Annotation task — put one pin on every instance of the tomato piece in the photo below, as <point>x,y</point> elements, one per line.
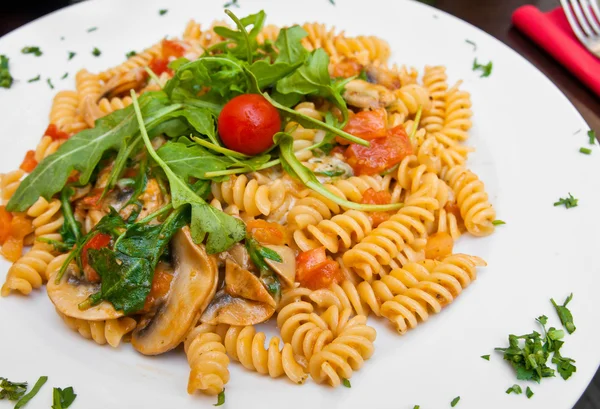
<point>337,149</point>
<point>316,271</point>
<point>381,155</point>
<point>439,246</point>
<point>92,200</point>
<point>247,124</point>
<point>160,65</point>
<point>29,163</point>
<point>161,283</point>
<point>371,196</point>
<point>20,226</point>
<point>366,125</point>
<point>172,48</point>
<point>53,132</point>
<point>346,69</point>
<point>266,232</point>
<point>12,249</point>
<point>5,222</point>
<point>97,242</point>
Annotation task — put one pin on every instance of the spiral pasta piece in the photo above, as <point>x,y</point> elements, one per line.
<point>248,195</point>
<point>435,80</point>
<point>64,112</point>
<point>457,121</point>
<point>141,59</point>
<point>245,345</point>
<point>109,332</point>
<point>29,271</point>
<point>383,244</point>
<point>88,85</point>
<point>208,361</point>
<point>475,208</point>
<point>345,354</point>
<point>9,183</point>
<point>47,218</point>
<point>194,34</point>
<point>409,99</point>
<point>425,290</point>
<point>107,106</point>
<point>349,227</point>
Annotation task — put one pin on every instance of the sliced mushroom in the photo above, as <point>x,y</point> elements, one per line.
<point>225,309</point>
<point>70,292</point>
<point>362,94</point>
<point>90,110</point>
<point>194,284</point>
<point>242,283</point>
<point>286,270</point>
<point>121,84</point>
<point>240,255</point>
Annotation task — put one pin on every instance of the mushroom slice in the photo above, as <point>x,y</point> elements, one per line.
<point>121,84</point>
<point>286,270</point>
<point>195,277</point>
<point>225,309</point>
<point>70,292</point>
<point>240,255</point>
<point>242,283</point>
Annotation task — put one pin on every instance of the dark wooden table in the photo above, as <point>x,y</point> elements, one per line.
<point>493,16</point>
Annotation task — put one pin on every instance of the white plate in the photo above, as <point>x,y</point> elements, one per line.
<point>527,154</point>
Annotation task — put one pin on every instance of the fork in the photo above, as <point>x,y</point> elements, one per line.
<point>584,18</point>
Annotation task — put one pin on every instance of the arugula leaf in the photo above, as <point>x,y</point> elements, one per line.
<point>84,150</point>
<point>140,182</point>
<point>486,70</point>
<point>200,119</point>
<point>245,42</point>
<point>289,45</point>
<point>63,398</point>
<point>268,74</point>
<point>221,397</point>
<point>71,228</point>
<point>32,50</point>
<point>566,318</point>
<point>36,388</point>
<point>6,79</point>
<point>258,254</point>
<point>223,230</point>
<point>568,202</point>
<point>12,390</point>
<point>126,281</point>
<point>188,159</point>
<point>516,389</point>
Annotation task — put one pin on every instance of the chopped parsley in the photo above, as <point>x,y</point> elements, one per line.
<point>49,81</point>
<point>486,69</point>
<point>592,135</point>
<point>96,52</point>
<point>65,75</point>
<point>486,357</point>
<point>498,222</point>
<point>586,151</point>
<point>34,79</point>
<point>162,12</point>
<point>332,2</point>
<point>89,30</point>
<point>569,202</point>
<point>565,315</point>
<point>346,383</point>
<point>63,398</point>
<point>472,43</point>
<point>331,173</point>
<point>71,55</point>
<point>36,388</point>
<point>12,390</point>
<point>528,392</point>
<point>220,398</point>
<point>516,389</point>
<point>455,401</point>
<point>6,79</point>
<point>130,54</point>
<point>231,3</point>
<point>62,38</point>
<point>32,50</point>
<point>417,407</point>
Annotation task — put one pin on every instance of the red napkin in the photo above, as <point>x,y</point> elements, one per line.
<point>552,32</point>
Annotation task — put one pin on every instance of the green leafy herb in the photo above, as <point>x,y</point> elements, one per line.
<point>71,229</point>
<point>332,2</point>
<point>63,398</point>
<point>486,357</point>
<point>231,4</point>
<point>498,222</point>
<point>258,254</point>
<point>455,401</point>
<point>49,81</point>
<point>84,150</point>
<point>34,79</point>
<point>331,173</point>
<point>568,202</point>
<point>36,388</point>
<point>592,135</point>
<point>65,75</point>
<point>6,79</point>
<point>130,54</point>
<point>472,43</point>
<point>516,389</point>
<point>565,315</point>
<point>221,396</point>
<point>586,151</point>
<point>417,407</point>
<point>222,230</point>
<point>32,50</point>
<point>89,30</point>
<point>564,365</point>
<point>529,392</point>
<point>486,69</point>
<point>12,390</point>
<point>58,245</point>
<point>346,383</point>
<point>96,52</point>
<point>162,12</point>
<point>72,54</point>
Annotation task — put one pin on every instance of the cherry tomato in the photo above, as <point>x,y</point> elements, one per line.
<point>29,163</point>
<point>366,125</point>
<point>97,242</point>
<point>316,271</point>
<point>53,132</point>
<point>370,196</point>
<point>247,124</point>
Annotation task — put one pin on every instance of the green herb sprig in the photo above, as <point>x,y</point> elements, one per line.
<point>6,80</point>
<point>32,50</point>
<point>486,70</point>
<point>568,202</point>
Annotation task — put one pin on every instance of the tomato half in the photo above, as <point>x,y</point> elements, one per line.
<point>316,271</point>
<point>247,124</point>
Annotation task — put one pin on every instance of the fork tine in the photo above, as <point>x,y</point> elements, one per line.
<point>572,21</point>
<point>589,13</point>
<point>581,18</point>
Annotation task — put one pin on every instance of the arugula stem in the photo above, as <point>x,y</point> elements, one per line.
<point>152,75</point>
<point>165,209</point>
<point>416,123</point>
<point>219,149</point>
<point>198,103</point>
<point>68,213</point>
<point>244,32</point>
<point>63,268</point>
